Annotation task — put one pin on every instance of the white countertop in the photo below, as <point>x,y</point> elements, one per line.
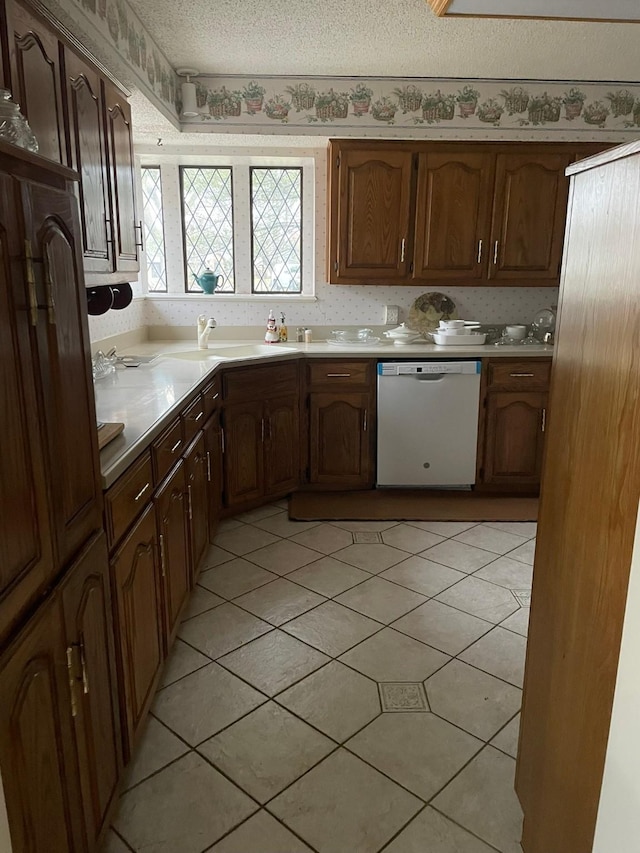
<point>148,397</point>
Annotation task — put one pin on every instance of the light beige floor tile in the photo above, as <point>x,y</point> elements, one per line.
<point>215,556</point>
<point>331,628</point>
<point>518,621</point>
<point>423,576</point>
<point>480,598</point>
<point>457,555</point>
<point>113,844</point>
<point>482,799</point>
<point>344,805</point>
<point>266,751</point>
<point>222,629</point>
<point>512,574</point>
<point>490,539</point>
<point>283,556</point>
<point>328,576</point>
<point>507,739</point>
<point>475,701</point>
<point>525,552</point>
<point>431,832</point>
<point>244,539</point>
<point>199,705</point>
<point>235,578</point>
<point>281,525</point>
<point>409,538</point>
<point>335,699</point>
<point>227,524</point>
<point>419,751</point>
<point>181,661</point>
<point>259,513</point>
<point>156,748</point>
<point>374,526</point>
<point>500,653</point>
<point>371,558</point>
<point>274,662</point>
<point>443,528</point>
<point>391,656</point>
<point>200,600</point>
<point>262,833</point>
<point>442,627</point>
<point>381,599</point>
<point>280,601</point>
<point>324,538</point>
<point>186,807</point>
<point>527,529</point>
<point>282,504</point>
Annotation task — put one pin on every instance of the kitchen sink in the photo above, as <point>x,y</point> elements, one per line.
<point>232,351</point>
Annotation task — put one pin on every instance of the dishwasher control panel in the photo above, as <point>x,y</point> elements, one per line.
<point>409,368</point>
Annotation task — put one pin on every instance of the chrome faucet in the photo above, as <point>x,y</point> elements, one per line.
<point>204,330</point>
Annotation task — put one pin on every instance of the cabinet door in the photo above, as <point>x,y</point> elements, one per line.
<point>213,452</point>
<point>530,208</point>
<point>37,81</point>
<point>453,212</point>
<point>63,344</point>
<point>135,580</point>
<point>341,452</point>
<point>26,557</point>
<point>514,437</point>
<point>89,158</point>
<point>125,227</point>
<point>282,445</point>
<point>243,453</point>
<point>195,461</point>
<point>173,537</point>
<point>86,602</point>
<point>371,229</point>
<point>37,754</point>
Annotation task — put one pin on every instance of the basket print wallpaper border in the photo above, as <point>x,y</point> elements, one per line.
<point>315,104</point>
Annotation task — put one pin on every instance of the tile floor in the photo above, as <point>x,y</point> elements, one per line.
<point>349,687</point>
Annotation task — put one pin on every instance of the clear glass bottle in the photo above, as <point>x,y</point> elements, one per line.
<point>14,127</point>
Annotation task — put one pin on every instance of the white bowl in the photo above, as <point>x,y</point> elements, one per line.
<point>472,339</point>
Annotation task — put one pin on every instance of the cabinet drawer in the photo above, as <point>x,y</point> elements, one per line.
<point>166,450</point>
<point>519,374</point>
<point>128,496</point>
<point>211,397</point>
<point>338,373</point>
<point>193,418</point>
<point>261,383</point>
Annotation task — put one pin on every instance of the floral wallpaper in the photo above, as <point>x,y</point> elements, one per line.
<point>328,105</point>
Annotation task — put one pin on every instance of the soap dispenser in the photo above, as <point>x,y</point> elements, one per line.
<point>271,335</point>
<point>283,335</point>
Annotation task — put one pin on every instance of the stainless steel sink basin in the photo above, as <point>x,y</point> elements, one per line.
<point>232,351</point>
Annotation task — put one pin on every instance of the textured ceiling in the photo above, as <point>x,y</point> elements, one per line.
<point>382,38</point>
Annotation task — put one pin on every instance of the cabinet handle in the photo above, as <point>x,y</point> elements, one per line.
<point>176,446</point>
<point>109,225</point>
<point>495,252</point>
<point>208,466</point>
<point>163,570</point>
<point>479,251</point>
<point>338,375</point>
<point>83,664</point>
<point>31,283</point>
<point>142,491</point>
<point>402,250</point>
<point>215,396</point>
<point>141,243</point>
<point>544,420</point>
<point>190,503</point>
<point>364,425</point>
<point>198,416</point>
<point>528,375</point>
<point>72,680</point>
<point>263,430</point>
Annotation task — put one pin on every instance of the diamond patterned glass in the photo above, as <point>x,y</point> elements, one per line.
<point>276,234</point>
<point>153,229</point>
<point>207,211</point>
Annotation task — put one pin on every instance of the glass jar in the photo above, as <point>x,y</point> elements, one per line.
<point>14,127</point>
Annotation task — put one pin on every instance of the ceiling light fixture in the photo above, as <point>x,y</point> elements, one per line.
<point>189,103</point>
<point>613,11</point>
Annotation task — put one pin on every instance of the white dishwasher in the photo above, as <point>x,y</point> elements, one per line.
<point>428,423</point>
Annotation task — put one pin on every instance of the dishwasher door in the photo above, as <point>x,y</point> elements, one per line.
<point>428,423</point>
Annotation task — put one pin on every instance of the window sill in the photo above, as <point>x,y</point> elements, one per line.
<point>234,297</point>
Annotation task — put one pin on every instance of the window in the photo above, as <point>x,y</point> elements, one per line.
<point>153,229</point>
<point>276,230</point>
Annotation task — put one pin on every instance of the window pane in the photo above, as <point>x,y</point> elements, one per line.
<point>207,210</point>
<point>153,229</point>
<point>276,218</point>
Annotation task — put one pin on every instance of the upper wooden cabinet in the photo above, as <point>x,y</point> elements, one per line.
<point>469,213</point>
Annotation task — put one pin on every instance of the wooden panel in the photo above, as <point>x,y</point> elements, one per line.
<point>123,203</point>
<point>195,461</point>
<point>590,493</point>
<point>39,769</point>
<point>452,215</point>
<point>340,373</point>
<point>193,418</point>
<point>282,445</point>
<point>529,217</point>
<point>213,451</point>
<point>173,537</point>
<point>89,157</point>
<point>86,602</point>
<point>341,455</point>
<point>128,496</point>
<point>135,582</point>
<point>509,373</point>
<point>212,396</point>
<point>514,437</point>
<point>260,383</point>
<point>243,452</point>
<point>166,450</point>
<point>63,343</point>
<point>26,556</point>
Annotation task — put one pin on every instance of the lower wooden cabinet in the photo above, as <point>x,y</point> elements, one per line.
<point>282,445</point>
<point>173,539</point>
<point>213,451</point>
<point>195,462</point>
<point>341,447</point>
<point>514,437</point>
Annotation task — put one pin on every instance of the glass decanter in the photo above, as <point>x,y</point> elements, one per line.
<point>14,127</point>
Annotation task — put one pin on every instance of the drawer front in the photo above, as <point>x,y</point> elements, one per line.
<point>211,396</point>
<point>338,373</point>
<point>519,374</point>
<point>166,450</point>
<point>128,496</point>
<point>193,418</point>
<point>261,383</point>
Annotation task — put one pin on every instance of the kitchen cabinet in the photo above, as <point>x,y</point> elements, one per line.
<point>282,445</point>
<point>243,427</point>
<point>195,462</point>
<point>213,451</point>
<point>173,540</point>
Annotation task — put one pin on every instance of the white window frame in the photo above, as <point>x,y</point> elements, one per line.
<point>172,211</point>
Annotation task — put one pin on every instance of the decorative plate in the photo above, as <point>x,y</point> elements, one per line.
<point>427,311</point>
